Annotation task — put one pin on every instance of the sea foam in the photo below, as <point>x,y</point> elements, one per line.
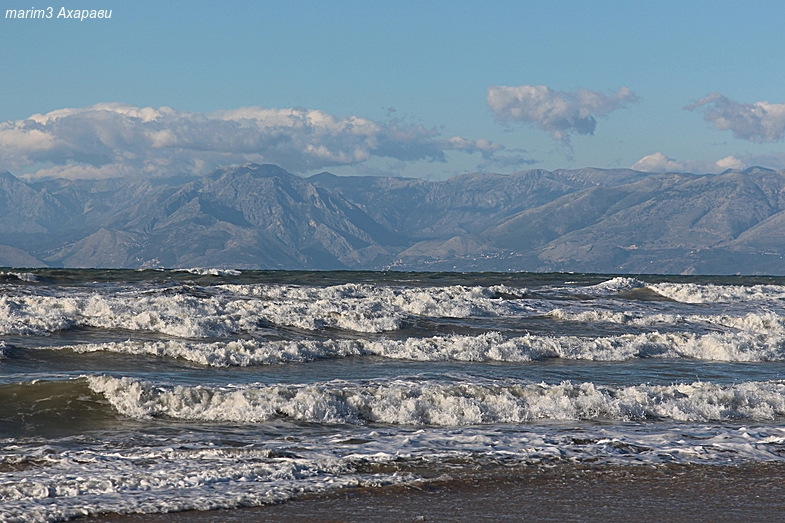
<point>712,293</point>
<point>194,312</point>
<point>406,402</point>
<point>488,346</point>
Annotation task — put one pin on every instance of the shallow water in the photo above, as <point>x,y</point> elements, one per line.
<point>156,391</point>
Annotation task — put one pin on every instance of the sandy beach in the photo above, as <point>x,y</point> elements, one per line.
<point>562,493</point>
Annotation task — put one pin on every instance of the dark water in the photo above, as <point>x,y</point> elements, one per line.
<point>155,391</point>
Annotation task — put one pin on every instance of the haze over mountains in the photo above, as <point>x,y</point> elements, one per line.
<point>260,216</point>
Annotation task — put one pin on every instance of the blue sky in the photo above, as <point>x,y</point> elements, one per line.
<point>412,88</point>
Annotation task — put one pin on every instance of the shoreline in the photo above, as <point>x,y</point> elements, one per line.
<point>750,492</point>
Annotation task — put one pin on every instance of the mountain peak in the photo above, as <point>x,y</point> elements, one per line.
<point>5,175</point>
<point>322,177</point>
<point>755,169</point>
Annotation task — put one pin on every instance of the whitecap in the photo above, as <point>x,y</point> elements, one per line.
<point>712,293</point>
<point>489,346</point>
<point>417,403</point>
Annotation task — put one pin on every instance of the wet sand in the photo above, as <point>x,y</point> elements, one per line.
<point>562,493</point>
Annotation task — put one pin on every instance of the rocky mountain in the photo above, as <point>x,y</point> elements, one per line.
<point>260,216</point>
<point>592,220</point>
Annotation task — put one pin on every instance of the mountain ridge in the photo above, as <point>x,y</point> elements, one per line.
<point>263,217</point>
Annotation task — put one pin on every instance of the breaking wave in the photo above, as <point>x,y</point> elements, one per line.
<point>490,346</point>
<point>230,309</point>
<point>407,402</point>
<point>712,293</point>
<point>693,293</point>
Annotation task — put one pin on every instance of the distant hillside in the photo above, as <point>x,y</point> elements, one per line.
<point>260,216</point>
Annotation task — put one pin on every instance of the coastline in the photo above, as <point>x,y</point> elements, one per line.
<point>749,492</point>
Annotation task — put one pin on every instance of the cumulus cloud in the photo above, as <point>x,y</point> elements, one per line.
<point>557,112</point>
<point>757,122</point>
<point>120,140</point>
<point>658,162</point>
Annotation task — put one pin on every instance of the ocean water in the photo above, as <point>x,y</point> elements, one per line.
<point>159,391</point>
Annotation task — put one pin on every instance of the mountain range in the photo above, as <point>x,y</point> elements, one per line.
<point>262,217</point>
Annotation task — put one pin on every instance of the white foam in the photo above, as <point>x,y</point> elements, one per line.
<point>489,346</point>
<point>711,293</point>
<point>613,286</point>
<point>210,271</point>
<point>160,479</point>
<point>36,314</point>
<point>228,310</point>
<point>231,309</point>
<point>239,352</point>
<point>402,402</point>
<point>358,306</point>
<point>690,292</point>
<point>22,276</point>
<point>757,322</point>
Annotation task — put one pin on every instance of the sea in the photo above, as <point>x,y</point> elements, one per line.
<point>153,391</point>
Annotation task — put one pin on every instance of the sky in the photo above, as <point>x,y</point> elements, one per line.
<point>428,89</point>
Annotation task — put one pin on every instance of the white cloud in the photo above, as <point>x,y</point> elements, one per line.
<point>757,122</point>
<point>121,140</point>
<point>730,162</point>
<point>658,162</point>
<point>557,112</point>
